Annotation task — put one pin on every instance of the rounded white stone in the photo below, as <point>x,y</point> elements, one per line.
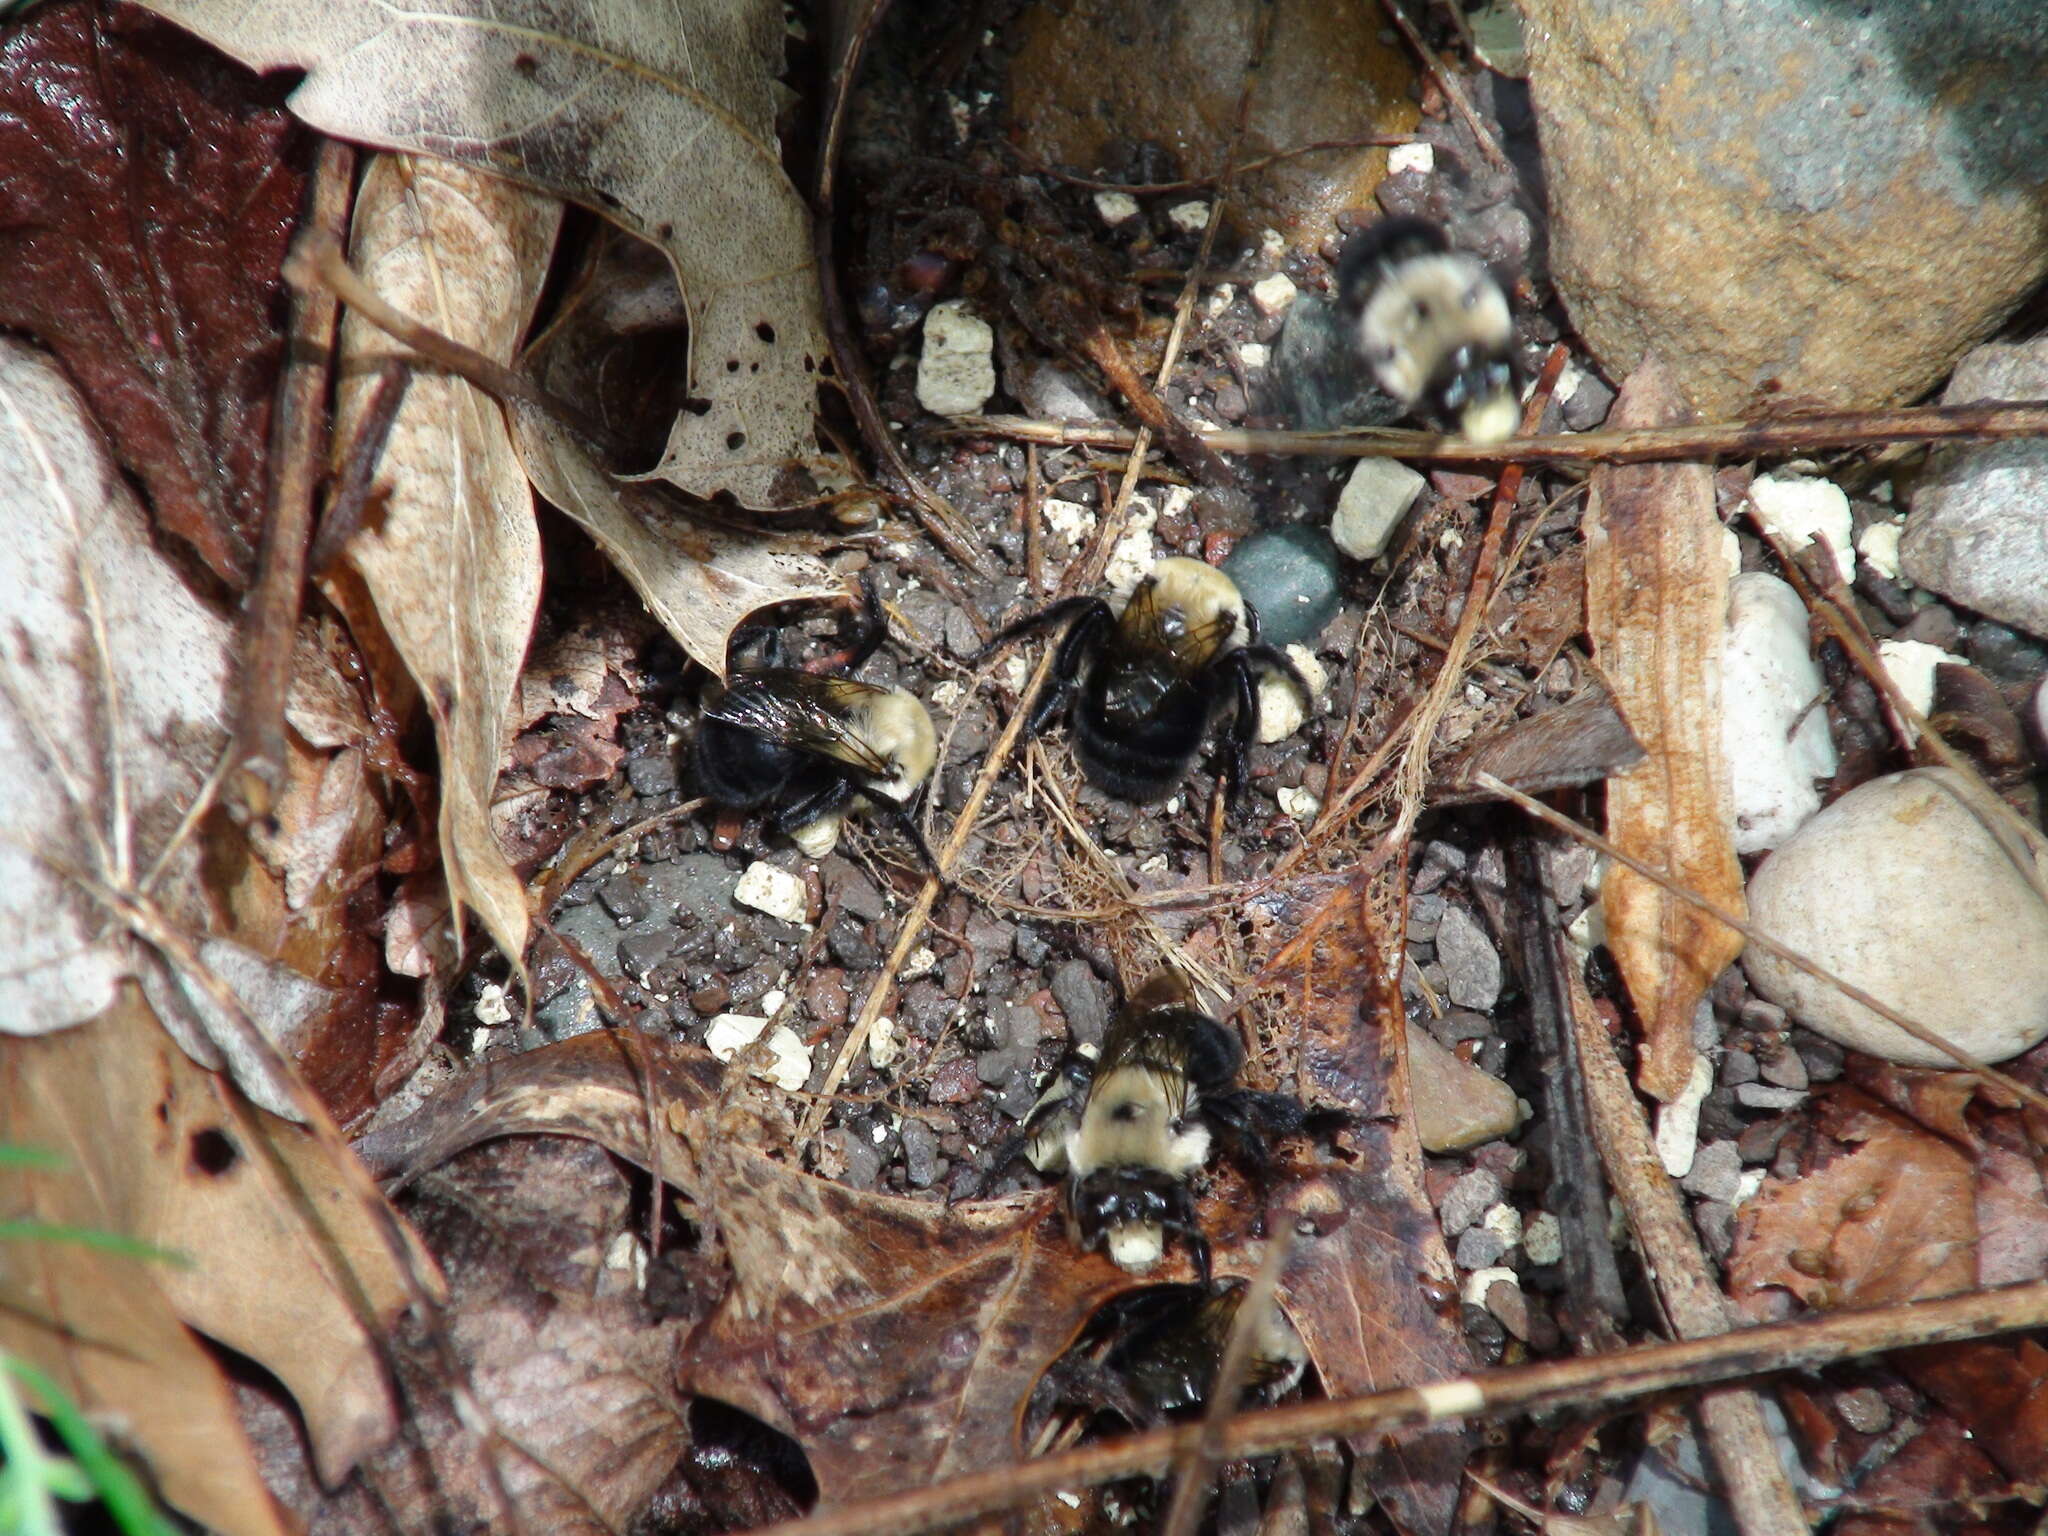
<point>956,371</point>
<point>1879,547</point>
<point>818,838</point>
<point>1769,683</point>
<point>1273,294</point>
<point>1280,709</point>
<point>1376,496</point>
<point>1898,888</point>
<point>1116,207</point>
<point>774,891</point>
<point>1911,664</point>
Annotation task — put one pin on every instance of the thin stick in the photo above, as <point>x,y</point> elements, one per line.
<point>1599,1381</point>
<point>1984,422</point>
<point>357,480</point>
<point>1732,1419</point>
<point>298,445</point>
<point>1453,89</point>
<point>1195,1464</point>
<point>1792,957</point>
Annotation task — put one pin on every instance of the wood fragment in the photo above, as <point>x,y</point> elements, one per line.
<point>1656,606</point>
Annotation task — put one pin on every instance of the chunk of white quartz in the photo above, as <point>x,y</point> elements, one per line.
<point>1774,732</point>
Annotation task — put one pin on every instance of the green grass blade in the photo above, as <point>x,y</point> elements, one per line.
<point>118,1488</point>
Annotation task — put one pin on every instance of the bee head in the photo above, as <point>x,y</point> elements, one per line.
<point>1477,390</point>
<point>1129,1211</point>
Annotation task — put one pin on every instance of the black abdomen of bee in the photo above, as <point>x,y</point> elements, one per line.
<point>740,768</point>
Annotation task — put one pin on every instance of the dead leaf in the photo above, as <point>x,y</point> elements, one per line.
<point>148,201</point>
<point>158,1150</point>
<point>661,122</point>
<point>701,582</point>
<point>1358,1288</point>
<point>1581,741</point>
<point>1937,1476</point>
<point>1892,1221</point>
<point>453,565</point>
<point>1656,606</point>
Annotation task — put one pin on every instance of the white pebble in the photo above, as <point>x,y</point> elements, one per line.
<point>1191,217</point>
<point>1678,1123</point>
<point>1796,508</point>
<point>956,372</point>
<point>1069,519</point>
<point>1134,556</point>
<point>1504,1222</point>
<point>1898,889</point>
<point>1543,1241</point>
<point>1116,207</point>
<point>1419,158</point>
<point>1769,681</point>
<point>883,1046</point>
<point>789,1063</point>
<point>774,891</point>
<point>1911,664</point>
<point>1280,711</point>
<point>1254,354</point>
<point>1376,496</point>
<point>492,1007</point>
<point>1220,300</point>
<point>1480,1281</point>
<point>1273,294</point>
<point>730,1033</point>
<point>1272,246</point>
<point>1301,804</point>
<point>1016,672</point>
<point>1879,547</point>
<point>1731,553</point>
<point>922,961</point>
<point>772,1001</point>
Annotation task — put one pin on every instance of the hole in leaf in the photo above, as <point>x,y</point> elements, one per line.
<point>765,331</point>
<point>213,1152</point>
<point>735,441</point>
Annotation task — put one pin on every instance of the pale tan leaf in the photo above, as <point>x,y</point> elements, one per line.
<point>700,582</point>
<point>453,565</point>
<point>158,1150</point>
<point>1656,603</point>
<point>662,121</point>
<point>93,614</point>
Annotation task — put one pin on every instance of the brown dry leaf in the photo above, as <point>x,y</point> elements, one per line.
<point>662,122</point>
<point>112,679</point>
<point>1358,1288</point>
<point>158,1150</point>
<point>1894,1220</point>
<point>1925,1488</point>
<point>1656,605</point>
<point>701,582</point>
<point>149,197</point>
<point>453,564</point>
<point>1581,741</point>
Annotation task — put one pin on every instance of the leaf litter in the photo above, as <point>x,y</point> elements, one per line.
<point>791,1283</point>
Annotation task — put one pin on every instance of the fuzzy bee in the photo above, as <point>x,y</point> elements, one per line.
<point>1147,681</point>
<point>1130,1129</point>
<point>1433,325</point>
<point>813,747</point>
<point>1174,1341</point>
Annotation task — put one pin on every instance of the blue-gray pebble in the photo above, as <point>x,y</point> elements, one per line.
<point>1289,575</point>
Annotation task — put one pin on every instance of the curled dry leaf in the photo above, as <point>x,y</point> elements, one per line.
<point>1370,1251</point>
<point>898,1341</point>
<point>278,1255</point>
<point>701,582</point>
<point>148,201</point>
<point>662,122</point>
<point>453,565</point>
<point>1656,605</point>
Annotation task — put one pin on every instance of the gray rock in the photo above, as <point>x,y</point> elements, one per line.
<point>1439,862</point>
<point>1471,967</point>
<point>1876,170</point>
<point>652,773</point>
<point>1467,1200</point>
<point>1289,575</point>
<point>646,947</point>
<point>1479,1247</point>
<point>1737,1068</point>
<point>1975,532</point>
<point>1716,1172</point>
<point>1375,498</point>
<point>1084,999</point>
<point>1763,1096</point>
<point>920,1153</point>
<point>626,896</point>
<point>1783,1068</point>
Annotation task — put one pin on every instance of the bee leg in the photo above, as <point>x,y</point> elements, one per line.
<point>1031,623</point>
<point>874,624</point>
<point>1244,726</point>
<point>1084,636</point>
<point>899,813</point>
<point>830,796</point>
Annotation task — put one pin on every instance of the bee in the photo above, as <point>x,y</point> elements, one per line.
<point>1434,326</point>
<point>1144,683</point>
<point>1174,1340</point>
<point>816,746</point>
<point>1130,1129</point>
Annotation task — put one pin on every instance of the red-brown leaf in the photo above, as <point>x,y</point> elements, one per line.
<point>147,203</point>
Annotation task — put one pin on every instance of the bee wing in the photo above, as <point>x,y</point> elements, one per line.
<point>1162,1034</point>
<point>802,710</point>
